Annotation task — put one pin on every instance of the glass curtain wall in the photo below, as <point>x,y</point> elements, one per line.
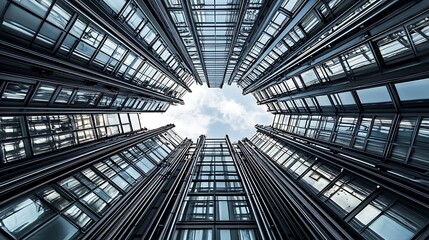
<point>374,211</point>
<point>216,205</point>
<point>68,207</point>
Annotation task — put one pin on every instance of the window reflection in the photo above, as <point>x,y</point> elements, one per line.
<point>395,47</point>
<point>413,90</point>
<point>20,217</point>
<point>193,234</point>
<point>15,91</point>
<point>44,93</point>
<point>347,193</point>
<point>374,95</point>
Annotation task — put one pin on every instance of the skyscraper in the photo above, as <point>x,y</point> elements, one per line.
<point>345,157</point>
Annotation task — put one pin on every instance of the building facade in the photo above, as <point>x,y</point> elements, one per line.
<point>346,156</point>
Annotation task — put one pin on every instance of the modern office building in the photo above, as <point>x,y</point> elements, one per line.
<point>346,156</point>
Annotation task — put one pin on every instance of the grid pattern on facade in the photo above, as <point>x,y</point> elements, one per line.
<point>216,205</point>
<point>56,28</point>
<point>70,206</point>
<point>24,137</point>
<point>368,208</point>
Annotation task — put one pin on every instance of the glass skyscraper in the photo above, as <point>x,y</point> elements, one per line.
<point>346,156</point>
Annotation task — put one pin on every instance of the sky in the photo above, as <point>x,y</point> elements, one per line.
<point>212,112</point>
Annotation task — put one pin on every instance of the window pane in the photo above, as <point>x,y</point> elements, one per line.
<point>374,95</point>
<point>414,90</point>
<point>320,176</point>
<point>54,198</point>
<point>347,193</point>
<point>77,216</point>
<point>57,229</point>
<point>15,91</point>
<point>64,95</point>
<point>193,234</point>
<point>395,46</point>
<point>115,5</point>
<point>20,217</point>
<point>44,93</point>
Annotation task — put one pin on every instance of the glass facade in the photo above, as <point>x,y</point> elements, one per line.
<point>371,209</point>
<point>344,158</point>
<point>216,199</point>
<point>27,136</point>
<point>69,206</point>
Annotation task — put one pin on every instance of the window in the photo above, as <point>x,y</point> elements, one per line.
<point>347,193</point>
<point>20,217</point>
<point>345,129</point>
<point>199,208</point>
<point>374,95</point>
<point>387,220</point>
<point>419,32</point>
<point>319,176</point>
<point>403,138</point>
<point>237,234</point>
<point>115,5</point>
<point>193,234</point>
<point>413,90</point>
<point>43,93</point>
<point>309,77</point>
<point>64,95</point>
<point>15,91</point>
<point>344,101</point>
<point>232,208</point>
<point>395,47</point>
<point>360,59</point>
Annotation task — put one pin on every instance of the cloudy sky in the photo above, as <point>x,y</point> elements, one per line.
<point>214,113</point>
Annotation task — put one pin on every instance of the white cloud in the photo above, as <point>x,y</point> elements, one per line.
<point>205,107</point>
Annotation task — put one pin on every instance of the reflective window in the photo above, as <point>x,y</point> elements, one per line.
<point>232,208</point>
<point>397,221</point>
<point>345,129</point>
<point>419,33</point>
<point>80,218</point>
<point>319,176</point>
<point>344,100</point>
<point>64,95</point>
<point>403,138</point>
<point>193,234</point>
<point>15,91</point>
<point>199,208</point>
<point>59,228</point>
<point>413,90</point>
<point>54,198</point>
<point>360,59</point>
<point>237,234</point>
<point>395,47</point>
<point>374,95</point>
<point>115,5</point>
<point>347,193</point>
<point>334,69</point>
<point>18,218</point>
<point>44,93</point>
<point>309,77</point>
